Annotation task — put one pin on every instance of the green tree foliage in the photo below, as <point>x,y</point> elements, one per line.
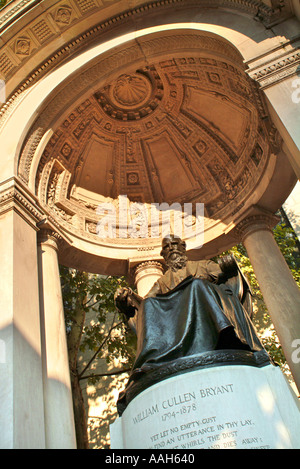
<point>95,327</point>
<point>104,329</point>
<point>3,3</point>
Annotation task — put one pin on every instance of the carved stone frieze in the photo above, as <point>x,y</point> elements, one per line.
<point>277,70</point>
<point>23,46</point>
<point>49,24</point>
<point>265,12</point>
<point>63,15</point>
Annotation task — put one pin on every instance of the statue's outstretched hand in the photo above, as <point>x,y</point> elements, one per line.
<point>121,295</point>
<point>125,301</point>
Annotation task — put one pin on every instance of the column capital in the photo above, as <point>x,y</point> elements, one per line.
<point>50,234</point>
<point>257,219</point>
<point>145,275</point>
<point>146,267</point>
<point>50,237</point>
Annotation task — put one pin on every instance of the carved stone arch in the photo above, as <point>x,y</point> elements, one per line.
<point>89,89</point>
<point>122,106</point>
<point>85,24</point>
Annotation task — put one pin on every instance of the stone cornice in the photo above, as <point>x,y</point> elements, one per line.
<point>15,196</point>
<point>260,9</point>
<point>12,13</point>
<point>276,70</point>
<point>49,228</point>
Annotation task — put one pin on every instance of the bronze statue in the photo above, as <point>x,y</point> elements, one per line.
<point>197,314</point>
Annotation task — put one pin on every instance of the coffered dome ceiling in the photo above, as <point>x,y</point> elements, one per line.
<point>183,128</point>
<point>180,130</point>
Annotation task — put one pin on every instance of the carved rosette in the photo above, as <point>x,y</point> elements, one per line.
<point>132,96</point>
<point>130,91</point>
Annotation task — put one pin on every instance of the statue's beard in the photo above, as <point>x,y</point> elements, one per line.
<point>177,262</point>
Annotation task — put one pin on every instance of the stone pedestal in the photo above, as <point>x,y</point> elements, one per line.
<point>225,407</point>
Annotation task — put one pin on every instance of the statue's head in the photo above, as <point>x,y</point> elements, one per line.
<point>174,252</point>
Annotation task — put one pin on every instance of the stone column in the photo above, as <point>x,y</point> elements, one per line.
<point>146,273</point>
<point>278,287</point>
<point>59,420</point>
<point>21,379</point>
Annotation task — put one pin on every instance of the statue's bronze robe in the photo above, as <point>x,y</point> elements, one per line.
<point>189,312</point>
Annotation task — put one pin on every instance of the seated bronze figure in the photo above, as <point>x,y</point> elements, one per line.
<point>198,314</point>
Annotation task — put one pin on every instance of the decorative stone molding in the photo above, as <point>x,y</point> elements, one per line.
<point>50,230</point>
<point>14,195</point>
<point>23,46</point>
<point>276,70</point>
<point>17,9</point>
<point>181,126</point>
<point>223,168</point>
<point>189,40</point>
<point>262,11</point>
<point>215,171</point>
<point>131,96</point>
